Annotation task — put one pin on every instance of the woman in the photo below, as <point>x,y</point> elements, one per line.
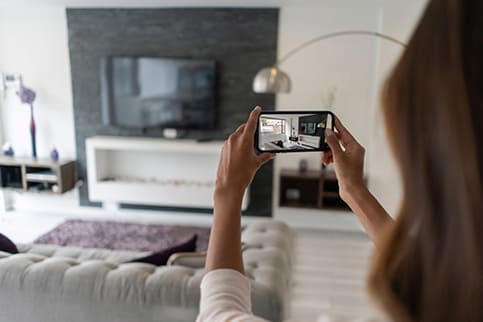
<point>428,266</point>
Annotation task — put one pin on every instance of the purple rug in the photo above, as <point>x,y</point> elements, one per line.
<point>122,236</point>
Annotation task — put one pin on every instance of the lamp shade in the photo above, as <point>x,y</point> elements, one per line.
<point>271,80</point>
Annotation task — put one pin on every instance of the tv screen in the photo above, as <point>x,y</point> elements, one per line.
<point>143,92</point>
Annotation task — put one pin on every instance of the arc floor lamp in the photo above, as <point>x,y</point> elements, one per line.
<point>274,80</point>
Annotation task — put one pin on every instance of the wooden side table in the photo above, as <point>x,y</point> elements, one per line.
<point>310,189</point>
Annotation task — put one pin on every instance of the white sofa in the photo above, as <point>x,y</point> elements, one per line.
<point>46,283</point>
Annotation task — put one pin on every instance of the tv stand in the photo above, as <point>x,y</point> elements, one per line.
<point>153,172</point>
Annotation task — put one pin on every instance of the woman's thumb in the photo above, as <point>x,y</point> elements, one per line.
<point>333,142</point>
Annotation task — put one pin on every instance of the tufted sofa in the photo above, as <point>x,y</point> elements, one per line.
<point>46,283</point>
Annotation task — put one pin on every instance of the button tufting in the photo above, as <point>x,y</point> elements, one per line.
<point>267,255</point>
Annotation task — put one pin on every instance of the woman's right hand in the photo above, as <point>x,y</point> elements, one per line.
<point>348,158</point>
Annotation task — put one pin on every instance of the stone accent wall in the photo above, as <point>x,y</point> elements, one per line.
<point>240,40</point>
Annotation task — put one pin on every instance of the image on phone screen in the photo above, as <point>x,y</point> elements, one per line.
<point>293,131</point>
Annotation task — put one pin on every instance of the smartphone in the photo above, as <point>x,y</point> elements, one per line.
<point>293,131</point>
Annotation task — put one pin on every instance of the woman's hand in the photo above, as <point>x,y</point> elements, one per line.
<point>348,158</point>
<point>238,161</point>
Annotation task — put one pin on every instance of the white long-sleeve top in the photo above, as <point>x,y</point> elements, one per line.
<point>225,297</point>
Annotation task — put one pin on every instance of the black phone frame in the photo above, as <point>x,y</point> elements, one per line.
<point>324,149</point>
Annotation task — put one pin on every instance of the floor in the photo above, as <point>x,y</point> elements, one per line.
<point>328,275</point>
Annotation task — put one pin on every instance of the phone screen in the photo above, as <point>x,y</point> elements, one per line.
<point>289,131</point>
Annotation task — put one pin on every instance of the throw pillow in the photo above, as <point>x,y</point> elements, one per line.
<point>6,245</point>
<point>161,258</point>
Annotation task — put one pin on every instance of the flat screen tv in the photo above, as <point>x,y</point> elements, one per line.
<point>145,92</point>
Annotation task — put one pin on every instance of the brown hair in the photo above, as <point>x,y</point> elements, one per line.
<point>430,265</point>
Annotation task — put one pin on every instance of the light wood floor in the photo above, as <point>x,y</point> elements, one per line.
<point>329,276</point>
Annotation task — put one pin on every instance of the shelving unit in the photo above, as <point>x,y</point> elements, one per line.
<point>310,189</point>
<point>37,175</point>
<point>152,171</point>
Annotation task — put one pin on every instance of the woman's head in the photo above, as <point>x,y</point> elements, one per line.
<point>431,265</point>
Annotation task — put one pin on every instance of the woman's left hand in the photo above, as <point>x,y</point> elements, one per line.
<point>239,161</point>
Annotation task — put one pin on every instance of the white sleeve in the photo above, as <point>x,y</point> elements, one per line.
<point>225,297</point>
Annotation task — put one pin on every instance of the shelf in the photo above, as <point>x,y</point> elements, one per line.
<point>310,189</point>
<point>31,162</point>
<point>298,205</point>
<point>37,175</point>
<point>309,174</point>
<point>152,171</point>
<point>41,177</point>
<point>330,194</point>
<point>153,144</point>
<point>334,203</point>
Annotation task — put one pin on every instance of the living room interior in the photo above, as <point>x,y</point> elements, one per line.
<point>292,132</point>
<point>113,114</point>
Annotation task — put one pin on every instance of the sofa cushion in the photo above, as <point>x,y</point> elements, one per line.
<point>161,258</point>
<point>7,246</point>
<point>80,254</point>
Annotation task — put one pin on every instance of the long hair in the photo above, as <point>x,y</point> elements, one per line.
<point>430,265</point>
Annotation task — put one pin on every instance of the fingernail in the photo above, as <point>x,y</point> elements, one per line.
<point>257,108</point>
<point>329,132</point>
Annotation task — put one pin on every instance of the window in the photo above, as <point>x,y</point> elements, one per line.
<point>273,126</point>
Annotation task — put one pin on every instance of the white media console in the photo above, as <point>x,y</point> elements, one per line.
<point>154,172</point>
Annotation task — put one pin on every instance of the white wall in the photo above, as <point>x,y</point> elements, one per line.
<point>399,19</point>
<point>33,42</point>
<point>357,67</point>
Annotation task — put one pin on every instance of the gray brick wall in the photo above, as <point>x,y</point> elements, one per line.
<point>240,40</point>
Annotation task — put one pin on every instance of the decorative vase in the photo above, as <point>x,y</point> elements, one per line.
<point>8,150</point>
<point>54,155</point>
<point>27,96</point>
<point>32,132</point>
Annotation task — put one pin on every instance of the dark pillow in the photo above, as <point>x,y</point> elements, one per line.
<point>6,245</point>
<point>161,258</point>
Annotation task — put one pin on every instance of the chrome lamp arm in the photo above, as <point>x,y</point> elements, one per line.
<point>274,80</point>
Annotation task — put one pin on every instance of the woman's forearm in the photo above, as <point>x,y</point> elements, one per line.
<point>370,212</point>
<point>228,298</point>
<point>347,154</point>
<point>225,241</point>
<point>237,167</point>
